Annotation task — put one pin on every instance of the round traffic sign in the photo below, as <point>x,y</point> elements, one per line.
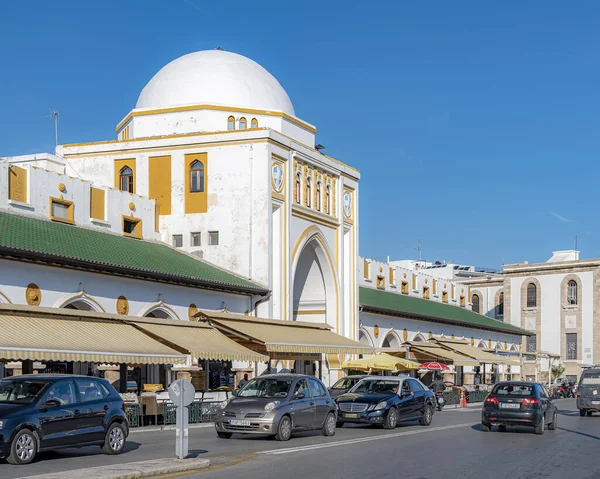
<point>181,392</point>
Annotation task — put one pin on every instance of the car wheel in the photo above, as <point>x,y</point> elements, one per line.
<point>23,448</point>
<point>224,435</point>
<point>552,425</point>
<point>329,425</point>
<point>114,441</point>
<point>589,413</point>
<point>582,412</point>
<point>485,428</point>
<point>339,424</point>
<point>392,419</point>
<point>284,430</point>
<point>427,416</point>
<point>539,429</point>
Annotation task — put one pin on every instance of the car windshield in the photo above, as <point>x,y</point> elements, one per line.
<point>376,386</point>
<point>20,391</point>
<point>519,390</point>
<point>590,378</point>
<point>266,388</point>
<point>344,383</point>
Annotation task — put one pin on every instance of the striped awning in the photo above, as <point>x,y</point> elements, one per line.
<point>42,337</point>
<point>199,340</point>
<point>275,335</point>
<point>478,354</point>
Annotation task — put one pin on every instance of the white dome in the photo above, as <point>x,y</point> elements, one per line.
<point>215,77</point>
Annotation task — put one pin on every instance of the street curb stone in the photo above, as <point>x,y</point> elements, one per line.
<point>131,470</point>
<point>135,430</point>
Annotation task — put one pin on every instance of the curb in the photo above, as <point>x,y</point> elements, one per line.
<point>131,470</point>
<point>168,428</point>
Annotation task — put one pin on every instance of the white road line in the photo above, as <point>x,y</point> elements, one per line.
<point>363,439</point>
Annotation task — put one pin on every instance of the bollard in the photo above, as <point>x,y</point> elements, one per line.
<point>463,399</point>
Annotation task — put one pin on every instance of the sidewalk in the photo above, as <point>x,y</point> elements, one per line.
<point>131,470</point>
<point>169,427</point>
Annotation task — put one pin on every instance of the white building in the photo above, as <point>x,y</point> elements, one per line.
<point>557,301</point>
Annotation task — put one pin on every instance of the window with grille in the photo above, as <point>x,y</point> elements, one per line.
<point>571,345</point>
<point>177,241</point>
<point>500,307</point>
<point>475,302</point>
<point>531,295</point>
<point>126,179</point>
<point>531,344</point>
<point>213,238</point>
<point>196,239</point>
<point>197,177</point>
<point>572,292</point>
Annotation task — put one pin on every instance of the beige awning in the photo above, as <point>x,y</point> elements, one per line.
<point>41,336</point>
<point>437,352</point>
<point>199,340</point>
<point>274,335</point>
<point>475,353</point>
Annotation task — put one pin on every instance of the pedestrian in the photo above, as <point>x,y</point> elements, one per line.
<point>243,381</point>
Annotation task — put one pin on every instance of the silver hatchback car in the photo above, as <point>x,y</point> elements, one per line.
<point>278,404</point>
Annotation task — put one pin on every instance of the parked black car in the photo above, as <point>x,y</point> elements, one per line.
<point>386,401</point>
<point>588,399</point>
<point>519,404</point>
<point>46,412</point>
<point>344,385</point>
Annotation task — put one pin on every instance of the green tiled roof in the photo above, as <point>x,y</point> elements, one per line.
<point>46,241</point>
<point>383,302</point>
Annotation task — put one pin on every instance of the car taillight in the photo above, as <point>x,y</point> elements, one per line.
<point>491,400</point>
<point>578,395</point>
<point>530,401</point>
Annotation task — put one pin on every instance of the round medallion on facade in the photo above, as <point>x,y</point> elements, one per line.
<point>347,205</point>
<point>404,275</point>
<point>61,187</point>
<point>192,310</point>
<point>122,305</point>
<point>505,345</point>
<point>472,341</point>
<point>489,344</point>
<point>33,295</point>
<point>376,331</point>
<point>452,337</point>
<point>277,176</point>
<point>132,206</point>
<point>430,335</point>
<point>405,334</point>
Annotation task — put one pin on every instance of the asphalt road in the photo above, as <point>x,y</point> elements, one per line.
<point>453,446</point>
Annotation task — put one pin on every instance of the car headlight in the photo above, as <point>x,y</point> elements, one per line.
<point>272,405</point>
<point>380,406</point>
<point>1,424</point>
<point>224,404</point>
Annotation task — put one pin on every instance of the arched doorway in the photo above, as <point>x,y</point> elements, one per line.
<point>79,305</point>
<point>391,341</point>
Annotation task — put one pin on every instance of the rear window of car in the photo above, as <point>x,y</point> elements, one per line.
<point>590,378</point>
<point>345,383</point>
<point>513,390</point>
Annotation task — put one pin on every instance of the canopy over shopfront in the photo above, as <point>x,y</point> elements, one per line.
<point>482,356</point>
<point>381,362</point>
<point>282,339</point>
<point>428,351</point>
<point>49,334</point>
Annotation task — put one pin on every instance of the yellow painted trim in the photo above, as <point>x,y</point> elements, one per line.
<point>278,196</point>
<point>195,202</point>
<point>97,203</point>
<point>242,119</point>
<point>310,311</point>
<point>310,215</point>
<point>307,235</point>
<point>138,226</point>
<point>17,184</point>
<point>254,123</point>
<point>159,183</point>
<point>70,210</point>
<point>119,165</point>
<point>251,111</point>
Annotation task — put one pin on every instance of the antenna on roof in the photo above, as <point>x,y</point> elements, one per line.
<point>419,249</point>
<point>54,114</point>
<point>575,238</point>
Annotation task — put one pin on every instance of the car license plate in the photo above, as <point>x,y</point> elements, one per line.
<point>351,416</point>
<point>239,422</point>
<point>505,405</point>
<point>595,402</point>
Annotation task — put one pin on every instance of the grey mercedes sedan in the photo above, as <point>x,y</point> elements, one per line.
<point>277,405</point>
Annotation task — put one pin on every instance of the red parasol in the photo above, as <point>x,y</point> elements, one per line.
<point>434,366</point>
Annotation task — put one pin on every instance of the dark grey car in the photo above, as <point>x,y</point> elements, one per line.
<point>278,404</point>
<point>588,393</point>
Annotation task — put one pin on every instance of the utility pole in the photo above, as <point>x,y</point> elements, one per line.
<point>54,115</point>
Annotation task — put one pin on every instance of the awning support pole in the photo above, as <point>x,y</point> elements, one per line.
<point>206,375</point>
<point>123,378</point>
<point>321,369</point>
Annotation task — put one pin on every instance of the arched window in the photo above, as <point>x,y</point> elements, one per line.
<point>197,177</point>
<point>231,123</point>
<point>308,191</point>
<point>531,295</point>
<point>500,307</point>
<point>475,301</point>
<point>298,187</point>
<point>126,179</point>
<point>254,123</point>
<point>572,292</point>
<point>318,196</point>
<point>328,199</point>
<point>243,124</point>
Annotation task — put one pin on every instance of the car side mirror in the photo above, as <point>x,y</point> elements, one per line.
<point>51,403</point>
<point>234,392</point>
<point>299,396</point>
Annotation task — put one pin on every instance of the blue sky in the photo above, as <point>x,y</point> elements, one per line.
<point>474,124</point>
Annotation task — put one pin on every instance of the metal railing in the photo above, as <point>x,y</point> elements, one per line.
<point>451,397</point>
<point>476,396</point>
<point>132,411</point>
<point>198,411</point>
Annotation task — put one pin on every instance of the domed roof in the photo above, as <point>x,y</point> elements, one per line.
<point>215,77</point>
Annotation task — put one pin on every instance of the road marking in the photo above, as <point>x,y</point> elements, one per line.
<point>362,439</point>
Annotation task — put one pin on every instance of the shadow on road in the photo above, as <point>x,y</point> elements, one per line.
<point>84,451</point>
<point>579,433</point>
